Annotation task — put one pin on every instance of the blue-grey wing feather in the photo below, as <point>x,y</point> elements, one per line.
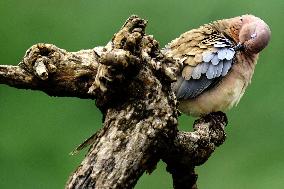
<point>226,67</point>
<point>207,74</point>
<point>193,87</point>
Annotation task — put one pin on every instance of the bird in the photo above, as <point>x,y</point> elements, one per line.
<point>218,61</point>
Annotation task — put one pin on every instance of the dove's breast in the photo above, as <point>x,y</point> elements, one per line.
<point>223,96</point>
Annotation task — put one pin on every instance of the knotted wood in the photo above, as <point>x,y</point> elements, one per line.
<point>130,79</point>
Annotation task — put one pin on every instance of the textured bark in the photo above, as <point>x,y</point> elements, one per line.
<point>131,81</point>
<point>190,149</point>
<point>62,73</point>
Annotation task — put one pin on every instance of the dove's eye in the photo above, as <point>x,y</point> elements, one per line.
<point>253,35</point>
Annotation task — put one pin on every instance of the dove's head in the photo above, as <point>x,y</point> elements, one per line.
<point>254,33</point>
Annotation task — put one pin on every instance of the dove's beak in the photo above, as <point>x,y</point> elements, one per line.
<point>239,47</point>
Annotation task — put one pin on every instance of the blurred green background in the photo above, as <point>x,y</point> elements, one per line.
<point>37,132</point>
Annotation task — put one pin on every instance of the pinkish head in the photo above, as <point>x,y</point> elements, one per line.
<point>254,34</point>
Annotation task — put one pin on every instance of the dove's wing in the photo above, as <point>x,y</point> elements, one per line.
<point>207,56</point>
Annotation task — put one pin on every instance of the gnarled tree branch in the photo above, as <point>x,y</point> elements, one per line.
<point>131,80</point>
